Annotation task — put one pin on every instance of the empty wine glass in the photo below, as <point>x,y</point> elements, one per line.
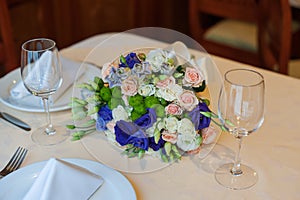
<point>241,111</point>
<point>41,73</point>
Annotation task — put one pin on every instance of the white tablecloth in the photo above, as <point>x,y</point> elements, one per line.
<point>273,150</point>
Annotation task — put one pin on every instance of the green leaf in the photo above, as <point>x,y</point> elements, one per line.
<point>201,88</point>
<point>89,122</point>
<point>78,135</point>
<point>85,86</point>
<point>156,135</point>
<point>98,81</point>
<point>214,115</point>
<point>176,152</point>
<point>164,157</point>
<point>159,110</point>
<point>93,110</point>
<point>178,75</point>
<point>223,128</point>
<point>79,101</point>
<point>206,101</point>
<point>94,85</point>
<point>141,153</point>
<point>70,126</point>
<point>105,94</point>
<point>79,115</point>
<point>168,147</point>
<point>227,121</point>
<point>172,157</point>
<point>180,69</point>
<point>171,61</point>
<point>123,60</point>
<point>206,114</point>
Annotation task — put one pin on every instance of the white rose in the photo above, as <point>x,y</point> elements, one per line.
<point>171,124</point>
<point>166,94</point>
<point>186,127</point>
<point>156,58</point>
<point>177,89</point>
<point>188,142</point>
<point>146,90</point>
<point>119,113</point>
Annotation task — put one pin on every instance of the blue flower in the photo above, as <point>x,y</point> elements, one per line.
<point>104,116</point>
<point>155,146</point>
<point>131,60</point>
<point>113,79</point>
<point>129,133</point>
<point>200,121</point>
<point>141,70</point>
<point>147,120</point>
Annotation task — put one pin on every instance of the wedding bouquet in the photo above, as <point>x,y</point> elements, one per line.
<point>147,103</point>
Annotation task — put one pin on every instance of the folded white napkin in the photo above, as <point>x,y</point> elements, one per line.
<point>69,68</point>
<point>63,180</point>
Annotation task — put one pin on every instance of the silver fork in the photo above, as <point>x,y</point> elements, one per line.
<point>15,162</point>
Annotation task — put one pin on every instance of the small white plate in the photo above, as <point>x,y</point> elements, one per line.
<point>12,78</point>
<point>15,185</point>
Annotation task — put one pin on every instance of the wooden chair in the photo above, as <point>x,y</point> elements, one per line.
<point>8,56</point>
<point>248,46</point>
<point>274,34</point>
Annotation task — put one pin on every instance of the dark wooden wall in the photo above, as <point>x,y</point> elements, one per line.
<point>69,21</point>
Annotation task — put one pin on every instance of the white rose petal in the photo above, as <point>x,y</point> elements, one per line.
<point>186,127</point>
<point>156,58</point>
<point>146,90</point>
<point>166,94</point>
<point>188,142</point>
<point>119,113</point>
<point>171,124</point>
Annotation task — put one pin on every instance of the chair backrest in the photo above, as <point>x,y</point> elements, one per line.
<point>262,13</point>
<point>202,11</point>
<point>274,34</point>
<point>8,56</point>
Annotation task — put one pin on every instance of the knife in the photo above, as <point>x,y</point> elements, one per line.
<point>15,121</point>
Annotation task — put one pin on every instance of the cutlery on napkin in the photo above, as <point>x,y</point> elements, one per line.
<point>63,180</point>
<point>69,68</point>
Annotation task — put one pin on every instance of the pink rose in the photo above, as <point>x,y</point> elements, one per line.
<point>194,151</point>
<point>209,135</point>
<point>129,86</point>
<point>169,137</point>
<point>166,82</point>
<point>192,77</point>
<point>188,100</point>
<point>173,109</point>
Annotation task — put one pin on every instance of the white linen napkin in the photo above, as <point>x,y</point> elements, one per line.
<point>69,68</point>
<point>63,180</point>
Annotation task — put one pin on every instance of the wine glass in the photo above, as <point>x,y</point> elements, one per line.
<point>241,111</point>
<point>41,73</point>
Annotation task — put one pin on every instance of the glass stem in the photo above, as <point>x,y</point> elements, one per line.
<point>236,169</point>
<point>49,128</point>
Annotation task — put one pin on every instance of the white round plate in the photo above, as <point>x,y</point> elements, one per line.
<point>15,185</point>
<point>12,78</point>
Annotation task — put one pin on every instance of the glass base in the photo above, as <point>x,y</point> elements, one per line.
<point>245,180</point>
<point>40,136</point>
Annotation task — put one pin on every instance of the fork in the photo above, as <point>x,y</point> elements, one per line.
<point>15,162</point>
